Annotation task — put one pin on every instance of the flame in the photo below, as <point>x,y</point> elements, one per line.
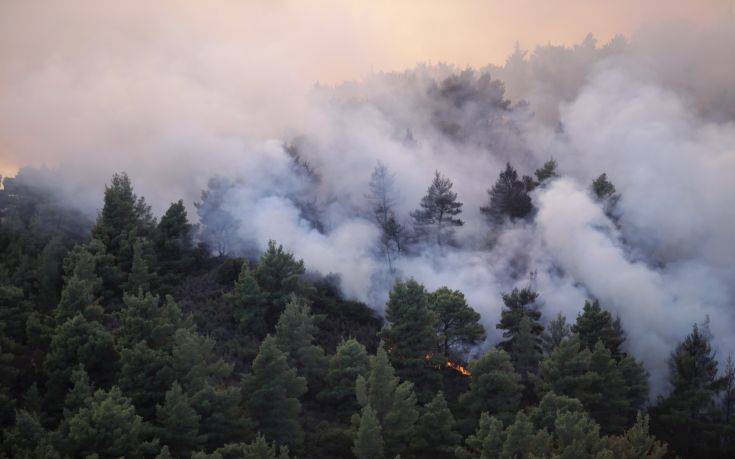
<point>459,368</point>
<point>456,366</point>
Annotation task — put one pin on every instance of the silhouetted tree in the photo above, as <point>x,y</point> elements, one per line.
<point>436,219</point>
<point>508,198</point>
<point>381,198</point>
<point>458,325</point>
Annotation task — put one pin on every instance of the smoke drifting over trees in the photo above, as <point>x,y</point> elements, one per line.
<point>654,112</point>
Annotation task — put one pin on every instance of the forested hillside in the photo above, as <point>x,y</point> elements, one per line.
<point>384,229</point>
<point>128,337</point>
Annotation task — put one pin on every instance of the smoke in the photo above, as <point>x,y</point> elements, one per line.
<point>292,161</point>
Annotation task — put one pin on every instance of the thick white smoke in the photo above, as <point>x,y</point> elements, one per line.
<point>655,114</point>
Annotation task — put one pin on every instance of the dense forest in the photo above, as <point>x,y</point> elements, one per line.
<point>367,229</point>
<point>130,336</point>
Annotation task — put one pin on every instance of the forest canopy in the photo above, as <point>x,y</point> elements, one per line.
<point>131,337</point>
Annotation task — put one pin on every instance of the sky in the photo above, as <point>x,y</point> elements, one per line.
<point>279,49</point>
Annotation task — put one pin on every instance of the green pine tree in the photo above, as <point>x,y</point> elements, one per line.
<point>145,376</point>
<point>368,440</point>
<point>174,244</point>
<point>495,387</point>
<point>487,441</point>
<point>518,304</point>
<point>295,333</point>
<point>435,432</point>
<point>178,422</point>
<point>411,335</point>
<point>270,395</point>
<point>78,341</point>
<point>525,353</point>
<point>248,304</point>
<point>108,426</point>
<point>394,402</point>
<point>509,198</point>
<point>278,273</point>
<point>686,418</point>
<point>458,325</point>
<point>436,219</point>
<point>556,331</point>
<point>142,275</point>
<point>596,324</point>
<point>349,362</point>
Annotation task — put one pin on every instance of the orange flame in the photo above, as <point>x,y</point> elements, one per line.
<point>459,368</point>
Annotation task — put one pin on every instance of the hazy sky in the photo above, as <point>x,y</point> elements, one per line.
<point>278,48</point>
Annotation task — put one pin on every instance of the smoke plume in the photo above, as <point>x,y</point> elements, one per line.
<point>283,159</point>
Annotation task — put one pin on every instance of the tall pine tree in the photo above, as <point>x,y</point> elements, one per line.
<point>411,335</point>
<point>508,198</point>
<point>271,395</point>
<point>435,220</point>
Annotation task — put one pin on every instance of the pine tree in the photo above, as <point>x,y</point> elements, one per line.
<point>49,270</point>
<point>349,362</point>
<point>295,333</point>
<point>565,371</point>
<point>611,408</point>
<point>8,375</point>
<point>173,243</point>
<point>522,439</point>
<point>487,441</point>
<point>218,225</point>
<point>78,341</point>
<point>604,192</point>
<point>546,172</point>
<point>28,438</point>
<point>576,435</point>
<point>394,403</point>
<point>495,387</point>
<point>436,219</point>
<point>124,218</point>
<point>399,422</point>
<point>411,336</point>
<point>559,428</point>
<point>596,324</point>
<point>80,393</point>
<point>179,422</point>
<point>508,198</point>
<point>222,421</point>
<point>377,390</point>
<point>545,413</point>
<point>435,430</point>
<point>248,304</point>
<point>270,395</point>
<point>143,319</point>
<point>108,426</point>
<point>141,276</point>
<point>278,274</point>
<point>257,449</point>
<point>368,441</point>
<point>556,331</point>
<point>196,362</point>
<point>381,199</point>
<point>145,376</point>
<point>637,442</point>
<point>611,391</point>
<point>686,417</point>
<point>81,287</point>
<point>525,353</point>
<point>458,324</point>
<point>518,304</point>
